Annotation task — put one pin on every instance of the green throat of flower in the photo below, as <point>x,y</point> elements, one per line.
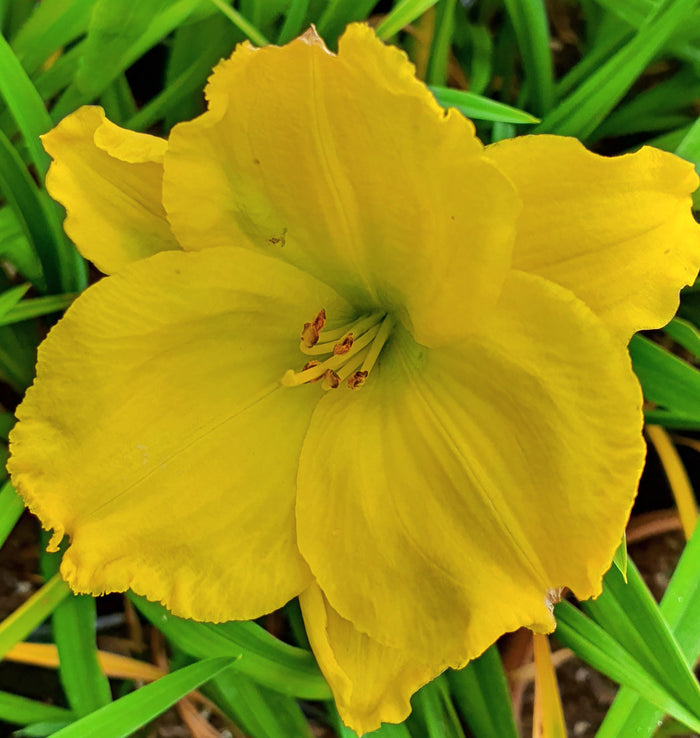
<point>346,354</point>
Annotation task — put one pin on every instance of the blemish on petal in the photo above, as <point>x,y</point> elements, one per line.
<point>552,597</point>
<point>311,37</point>
<point>280,240</point>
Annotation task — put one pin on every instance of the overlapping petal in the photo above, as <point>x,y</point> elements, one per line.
<point>617,231</point>
<point>438,506</point>
<point>346,166</point>
<point>158,437</point>
<point>371,683</point>
<point>109,179</point>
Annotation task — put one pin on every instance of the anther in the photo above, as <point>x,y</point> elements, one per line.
<point>311,331</point>
<point>330,380</point>
<point>342,347</point>
<point>311,365</point>
<point>351,351</point>
<point>356,380</point>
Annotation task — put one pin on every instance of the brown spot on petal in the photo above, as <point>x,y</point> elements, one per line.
<point>280,240</point>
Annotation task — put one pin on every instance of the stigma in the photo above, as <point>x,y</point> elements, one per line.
<point>346,355</point>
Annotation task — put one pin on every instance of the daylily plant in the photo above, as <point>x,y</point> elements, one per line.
<point>347,353</point>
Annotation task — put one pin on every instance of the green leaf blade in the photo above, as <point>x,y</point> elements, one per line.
<point>124,716</point>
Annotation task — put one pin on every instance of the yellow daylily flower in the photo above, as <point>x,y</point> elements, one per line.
<point>456,435</point>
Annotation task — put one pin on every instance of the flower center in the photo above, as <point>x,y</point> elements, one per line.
<point>347,354</point>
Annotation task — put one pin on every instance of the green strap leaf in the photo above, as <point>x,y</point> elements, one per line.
<point>266,660</point>
<point>293,21</point>
<point>630,715</point>
<point>25,104</point>
<point>23,711</point>
<point>629,614</point>
<point>238,20</point>
<point>53,24</point>
<point>689,148</point>
<point>38,217</point>
<point>11,507</point>
<point>338,13</point>
<point>16,248</point>
<point>10,297</point>
<point>402,14</point>
<point>620,558</point>
<point>433,709</point>
<point>581,113</point>
<point>599,649</point>
<point>35,610</point>
<point>529,19</point>
<point>36,307</point>
<point>126,715</point>
<point>259,712</point>
<point>480,107</point>
<point>112,46</point>
<point>481,692</point>
<point>666,379</point>
<point>84,682</point>
<point>73,625</point>
<point>684,333</point>
<point>438,61</point>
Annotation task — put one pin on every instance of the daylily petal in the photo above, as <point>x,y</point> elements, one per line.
<point>346,167</point>
<point>371,683</point>
<point>158,437</point>
<point>109,180</point>
<point>440,503</point>
<point>618,231</point>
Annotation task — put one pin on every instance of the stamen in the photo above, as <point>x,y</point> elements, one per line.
<point>311,365</point>
<point>378,344</point>
<point>357,379</point>
<point>342,347</point>
<point>326,340</point>
<point>352,365</point>
<point>311,331</point>
<point>353,351</point>
<point>330,380</point>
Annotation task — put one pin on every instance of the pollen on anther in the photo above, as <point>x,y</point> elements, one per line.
<point>356,380</point>
<point>342,347</point>
<point>331,380</point>
<point>311,331</point>
<point>310,365</point>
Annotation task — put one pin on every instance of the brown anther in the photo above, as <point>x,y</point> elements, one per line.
<point>320,320</point>
<point>311,365</point>
<point>311,331</point>
<point>356,380</point>
<point>342,347</point>
<point>331,379</point>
